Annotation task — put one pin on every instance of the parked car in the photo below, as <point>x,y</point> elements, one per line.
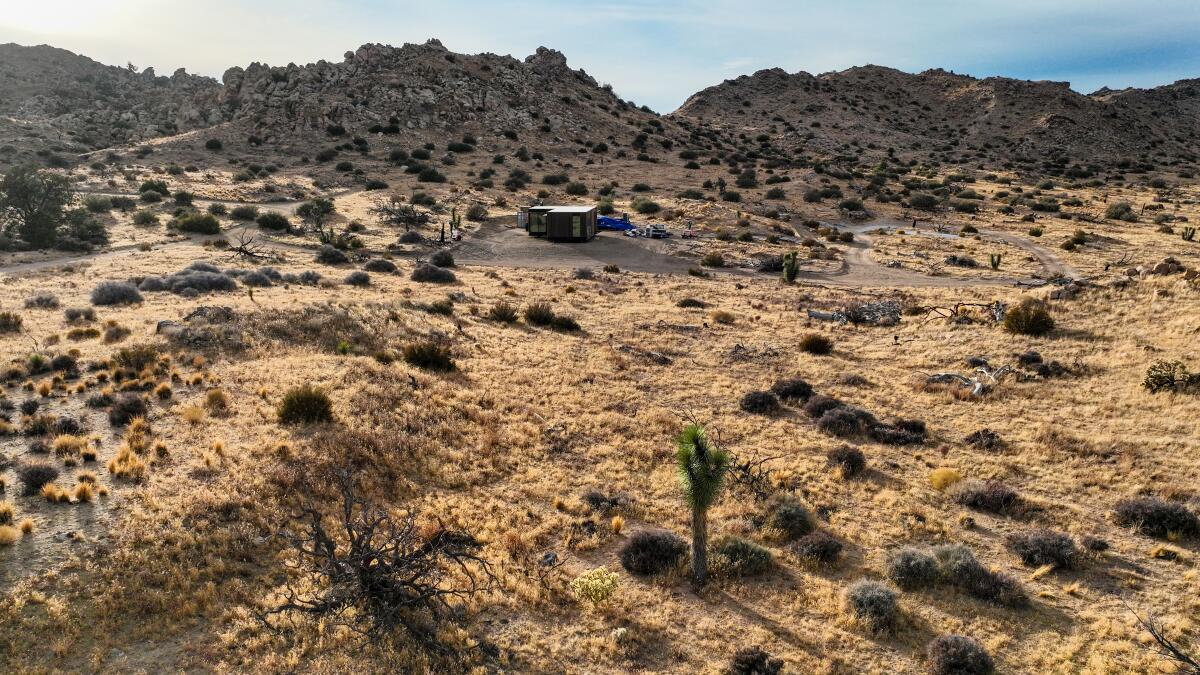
<point>655,232</point>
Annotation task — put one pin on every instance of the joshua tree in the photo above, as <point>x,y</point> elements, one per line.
<point>791,267</point>
<point>702,469</point>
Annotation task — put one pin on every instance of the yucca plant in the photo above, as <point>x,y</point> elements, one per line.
<point>702,468</point>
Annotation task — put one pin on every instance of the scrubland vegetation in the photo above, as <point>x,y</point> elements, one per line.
<point>277,418</point>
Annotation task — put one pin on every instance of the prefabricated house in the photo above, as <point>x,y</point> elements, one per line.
<point>559,223</point>
<point>571,223</point>
<point>535,220</point>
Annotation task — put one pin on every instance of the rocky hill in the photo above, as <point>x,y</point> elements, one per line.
<point>58,105</point>
<point>426,90</point>
<point>54,101</point>
<point>867,111</point>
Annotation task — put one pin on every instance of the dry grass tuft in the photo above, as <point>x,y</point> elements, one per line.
<point>943,477</point>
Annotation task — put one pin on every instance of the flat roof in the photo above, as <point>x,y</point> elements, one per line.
<point>573,209</point>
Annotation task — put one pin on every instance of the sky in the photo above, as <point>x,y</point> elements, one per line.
<point>655,53</point>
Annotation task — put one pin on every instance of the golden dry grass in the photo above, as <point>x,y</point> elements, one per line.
<point>506,447</point>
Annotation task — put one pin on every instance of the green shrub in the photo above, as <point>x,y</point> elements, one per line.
<point>1120,211</point>
<point>1029,317</point>
<point>645,206</point>
<point>741,558</point>
<point>305,404</point>
<point>651,552</point>
<point>245,212</point>
<point>273,221</point>
<point>1172,376</point>
<point>429,354</point>
<point>198,223</point>
<point>791,519</point>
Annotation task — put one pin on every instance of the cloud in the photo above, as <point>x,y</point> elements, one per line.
<point>657,53</point>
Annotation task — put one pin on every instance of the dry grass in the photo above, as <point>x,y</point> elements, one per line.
<point>505,447</point>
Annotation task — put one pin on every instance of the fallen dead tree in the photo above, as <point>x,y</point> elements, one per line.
<point>983,381</point>
<point>964,312</point>
<point>877,313</point>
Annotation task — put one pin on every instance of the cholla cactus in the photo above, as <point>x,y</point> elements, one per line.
<point>994,258</point>
<point>595,586</point>
<point>1189,234</point>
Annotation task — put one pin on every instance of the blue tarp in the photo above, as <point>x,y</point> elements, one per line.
<point>608,223</point>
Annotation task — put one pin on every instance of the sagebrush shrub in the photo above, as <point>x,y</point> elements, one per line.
<point>1156,517</point>
<point>848,459</point>
<point>442,259</point>
<point>873,603</point>
<point>42,301</point>
<point>1044,547</point>
<point>1029,317</point>
<point>819,404</point>
<point>958,655</point>
<point>74,314</point>
<point>753,661</point>
<point>759,402</point>
<point>651,552</point>
<point>328,255</point>
<point>380,265</point>
<point>358,278</point>
<point>198,223</point>
<point>34,476</point>
<point>115,293</point>
<point>432,274</point>
<point>742,558</point>
<point>792,390</point>
<point>305,404</point>
<point>818,546</point>
<point>791,518</point>
<point>958,567</point>
<point>911,569</point>
<point>125,408</point>
<point>991,496</point>
<point>846,421</point>
<point>1170,376</point>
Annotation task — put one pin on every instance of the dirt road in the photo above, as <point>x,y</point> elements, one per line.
<point>499,243</point>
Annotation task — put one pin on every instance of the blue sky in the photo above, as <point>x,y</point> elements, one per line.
<point>656,53</point>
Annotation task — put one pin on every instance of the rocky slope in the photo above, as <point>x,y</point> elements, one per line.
<point>426,88</point>
<point>942,115</point>
<point>52,100</point>
<point>58,105</point>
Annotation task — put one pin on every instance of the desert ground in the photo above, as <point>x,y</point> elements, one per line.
<point>552,448</point>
